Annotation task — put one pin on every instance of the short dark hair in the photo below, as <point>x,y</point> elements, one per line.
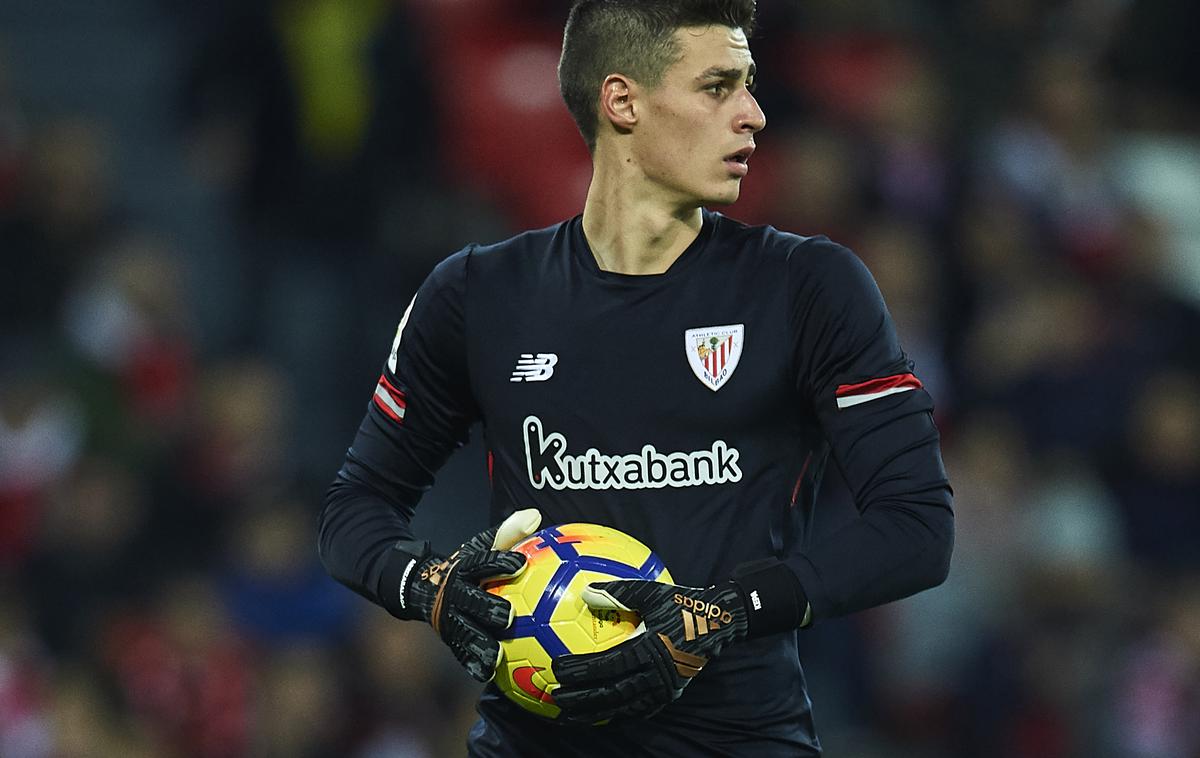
<point>632,37</point>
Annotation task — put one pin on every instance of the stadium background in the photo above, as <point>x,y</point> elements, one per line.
<point>212,215</point>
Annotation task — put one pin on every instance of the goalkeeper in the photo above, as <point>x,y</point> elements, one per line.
<point>657,367</point>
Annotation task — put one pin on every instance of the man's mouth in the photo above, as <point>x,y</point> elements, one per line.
<point>738,163</point>
<point>741,156</point>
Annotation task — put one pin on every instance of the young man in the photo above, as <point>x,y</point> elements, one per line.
<point>665,370</point>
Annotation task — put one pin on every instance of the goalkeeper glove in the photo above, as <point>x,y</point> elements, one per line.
<point>684,628</point>
<point>445,591</point>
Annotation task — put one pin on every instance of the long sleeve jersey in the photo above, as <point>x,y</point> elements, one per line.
<point>695,410</point>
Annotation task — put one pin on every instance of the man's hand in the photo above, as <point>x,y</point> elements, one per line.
<point>446,593</point>
<point>684,627</point>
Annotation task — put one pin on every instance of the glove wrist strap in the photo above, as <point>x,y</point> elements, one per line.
<point>775,601</point>
<point>401,569</point>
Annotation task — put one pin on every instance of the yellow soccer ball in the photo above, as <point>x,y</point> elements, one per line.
<point>550,618</point>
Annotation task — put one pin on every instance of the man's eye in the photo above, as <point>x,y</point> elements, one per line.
<point>751,85</point>
<point>717,89</point>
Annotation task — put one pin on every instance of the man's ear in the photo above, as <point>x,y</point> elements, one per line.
<point>618,102</point>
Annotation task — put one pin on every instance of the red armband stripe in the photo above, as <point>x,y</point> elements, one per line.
<point>864,392</point>
<point>390,400</point>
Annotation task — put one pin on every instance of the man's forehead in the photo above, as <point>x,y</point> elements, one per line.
<point>712,47</point>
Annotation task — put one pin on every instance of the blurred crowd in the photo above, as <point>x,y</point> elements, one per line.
<point>188,343</point>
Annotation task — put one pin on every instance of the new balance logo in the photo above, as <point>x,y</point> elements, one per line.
<point>699,617</point>
<point>534,368</point>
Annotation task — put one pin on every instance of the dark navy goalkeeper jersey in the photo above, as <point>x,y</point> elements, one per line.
<point>694,410</point>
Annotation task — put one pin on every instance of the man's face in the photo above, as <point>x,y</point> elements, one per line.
<point>696,129</point>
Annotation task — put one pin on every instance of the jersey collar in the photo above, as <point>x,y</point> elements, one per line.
<point>582,252</point>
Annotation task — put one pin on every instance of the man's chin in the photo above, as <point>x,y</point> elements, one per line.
<point>726,196</point>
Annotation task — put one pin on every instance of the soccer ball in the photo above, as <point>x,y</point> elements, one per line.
<point>549,616</point>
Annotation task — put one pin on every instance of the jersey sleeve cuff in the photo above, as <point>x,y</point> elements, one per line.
<point>774,599</point>
<point>399,572</point>
<point>810,579</point>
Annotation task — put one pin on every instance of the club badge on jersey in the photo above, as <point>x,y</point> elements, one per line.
<point>713,352</point>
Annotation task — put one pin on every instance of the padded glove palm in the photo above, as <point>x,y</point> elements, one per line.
<point>446,592</point>
<point>684,628</point>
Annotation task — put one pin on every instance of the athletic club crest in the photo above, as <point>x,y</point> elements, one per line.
<point>713,352</point>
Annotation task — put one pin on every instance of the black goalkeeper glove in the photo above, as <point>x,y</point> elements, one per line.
<point>684,628</point>
<point>446,592</point>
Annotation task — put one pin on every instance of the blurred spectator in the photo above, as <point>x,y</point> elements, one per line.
<point>1058,159</point>
<point>905,262</point>
<point>1072,525</point>
<point>62,211</point>
<point>401,686</point>
<point>14,138</point>
<point>42,432</point>
<point>1155,58</point>
<point>276,590</point>
<point>233,446</point>
<point>910,130</point>
<point>1160,176</point>
<point>85,722</point>
<point>25,728</point>
<point>822,172</point>
<point>299,706</point>
<point>127,316</point>
<point>184,671</point>
<point>1156,471</point>
<point>90,560</point>
<point>1037,354</point>
<point>311,110</point>
<point>1155,323</point>
<point>241,429</point>
<point>932,641</point>
<point>1156,706</point>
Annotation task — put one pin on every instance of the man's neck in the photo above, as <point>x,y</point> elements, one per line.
<point>629,225</point>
